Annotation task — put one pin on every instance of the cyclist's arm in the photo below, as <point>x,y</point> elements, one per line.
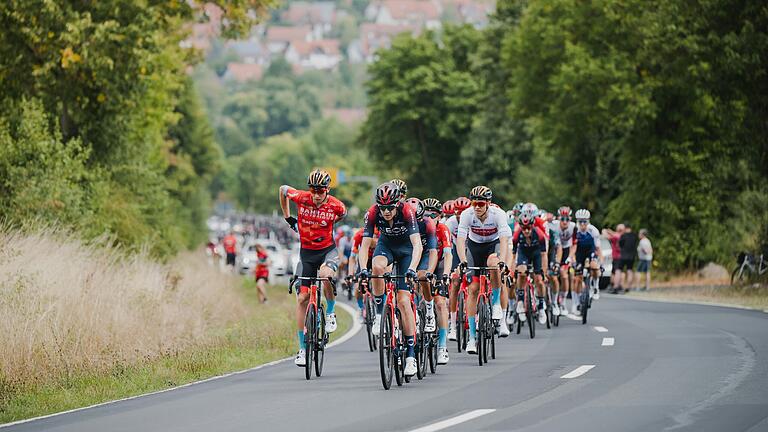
<point>447,260</point>
<point>504,248</point>
<point>417,250</point>
<point>362,256</point>
<point>559,253</point>
<point>461,237</point>
<point>352,266</point>
<point>283,197</point>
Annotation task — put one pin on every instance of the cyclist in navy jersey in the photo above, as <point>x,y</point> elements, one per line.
<point>400,242</point>
<point>529,244</point>
<point>428,263</point>
<point>585,252</point>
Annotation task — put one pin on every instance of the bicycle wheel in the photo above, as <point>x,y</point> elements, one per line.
<point>556,318</point>
<point>432,354</point>
<point>492,328</point>
<point>349,292</point>
<point>399,349</point>
<point>480,332</point>
<point>460,334</point>
<point>531,317</point>
<point>370,314</point>
<point>548,311</point>
<point>737,276</point>
<point>488,330</point>
<point>421,341</point>
<point>310,326</point>
<point>386,350</point>
<point>322,339</point>
<point>584,298</point>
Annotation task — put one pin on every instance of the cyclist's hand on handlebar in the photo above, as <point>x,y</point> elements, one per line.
<point>502,267</point>
<point>292,221</point>
<point>365,273</point>
<point>446,279</point>
<point>463,267</point>
<point>429,276</point>
<point>410,274</point>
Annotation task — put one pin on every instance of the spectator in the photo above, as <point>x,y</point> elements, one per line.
<point>628,244</point>
<point>262,272</point>
<point>613,238</point>
<point>645,255</point>
<point>230,247</point>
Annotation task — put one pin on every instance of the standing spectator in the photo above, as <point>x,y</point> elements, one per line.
<point>262,272</point>
<point>628,244</point>
<point>645,255</point>
<point>230,248</point>
<point>613,239</point>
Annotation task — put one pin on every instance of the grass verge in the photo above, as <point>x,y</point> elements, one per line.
<point>265,335</point>
<point>755,297</point>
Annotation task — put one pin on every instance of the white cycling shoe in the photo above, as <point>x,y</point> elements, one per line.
<point>496,312</point>
<point>452,333</point>
<point>442,356</point>
<point>410,366</point>
<point>376,325</point>
<point>503,330</point>
<point>301,358</point>
<point>471,346</point>
<point>542,316</point>
<point>330,322</point>
<point>510,318</point>
<point>574,309</point>
<point>555,310</point>
<point>429,323</point>
<point>520,309</point>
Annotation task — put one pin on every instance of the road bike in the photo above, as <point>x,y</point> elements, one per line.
<point>531,306</point>
<point>315,336</point>
<point>585,297</point>
<point>428,340</point>
<point>462,323</point>
<point>392,346</point>
<point>486,326</point>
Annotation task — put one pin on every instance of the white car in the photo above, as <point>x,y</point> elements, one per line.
<point>605,248</point>
<point>277,255</point>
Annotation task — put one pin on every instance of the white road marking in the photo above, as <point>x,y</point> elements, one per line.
<point>453,421</point>
<point>600,329</point>
<point>356,326</point>
<point>574,317</point>
<point>608,341</point>
<point>579,371</point>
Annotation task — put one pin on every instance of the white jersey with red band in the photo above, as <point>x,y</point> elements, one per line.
<point>494,226</point>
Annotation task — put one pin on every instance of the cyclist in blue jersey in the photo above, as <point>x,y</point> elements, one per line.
<point>529,243</point>
<point>585,252</point>
<point>399,242</point>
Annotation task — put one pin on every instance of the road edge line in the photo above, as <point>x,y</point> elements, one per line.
<point>348,335</point>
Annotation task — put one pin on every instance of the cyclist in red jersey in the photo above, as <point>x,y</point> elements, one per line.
<point>317,211</point>
<point>432,211</point>
<point>352,269</point>
<point>452,223</point>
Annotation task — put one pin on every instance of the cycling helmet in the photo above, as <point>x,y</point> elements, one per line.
<point>481,193</point>
<point>402,186</point>
<point>582,214</point>
<point>511,214</point>
<point>319,178</point>
<point>461,204</point>
<point>525,218</point>
<point>448,207</point>
<point>418,206</point>
<point>516,209</point>
<point>565,212</point>
<point>432,204</point>
<point>387,194</point>
<point>531,207</point>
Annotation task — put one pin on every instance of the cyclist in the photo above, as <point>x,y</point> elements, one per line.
<point>554,256</point>
<point>345,249</point>
<point>459,205</point>
<point>352,268</point>
<point>317,212</point>
<point>428,263</point>
<point>432,209</point>
<point>484,231</point>
<point>399,241</point>
<point>585,252</point>
<point>447,210</point>
<point>403,188</point>
<point>530,246</point>
<point>566,228</point>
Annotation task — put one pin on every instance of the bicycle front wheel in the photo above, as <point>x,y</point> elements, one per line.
<point>386,350</point>
<point>322,338</point>
<point>584,305</point>
<point>460,333</point>
<point>310,332</point>
<point>530,316</point>
<point>480,342</point>
<point>370,313</point>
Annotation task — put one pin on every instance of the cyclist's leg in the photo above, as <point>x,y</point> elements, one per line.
<point>382,259</point>
<point>441,311</point>
<point>307,268</point>
<point>328,270</point>
<point>495,277</point>
<point>475,257</point>
<point>403,255</point>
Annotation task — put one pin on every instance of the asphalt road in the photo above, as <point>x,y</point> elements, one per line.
<point>671,367</point>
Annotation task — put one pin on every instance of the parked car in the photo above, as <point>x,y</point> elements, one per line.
<point>605,248</point>
<point>277,255</point>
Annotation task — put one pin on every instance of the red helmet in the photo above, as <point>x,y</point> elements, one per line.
<point>418,206</point>
<point>448,207</point>
<point>564,212</point>
<point>387,194</point>
<point>461,204</point>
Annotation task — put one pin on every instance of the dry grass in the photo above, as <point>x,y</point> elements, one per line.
<point>67,307</point>
<point>749,296</point>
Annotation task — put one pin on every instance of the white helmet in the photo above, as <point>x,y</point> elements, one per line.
<point>510,215</point>
<point>582,214</point>
<point>530,207</point>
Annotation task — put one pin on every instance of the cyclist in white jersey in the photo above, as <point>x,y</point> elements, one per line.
<point>565,229</point>
<point>484,232</point>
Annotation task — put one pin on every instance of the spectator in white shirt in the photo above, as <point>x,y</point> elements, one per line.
<point>645,256</point>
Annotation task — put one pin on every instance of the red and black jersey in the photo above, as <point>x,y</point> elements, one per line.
<point>404,223</point>
<point>537,241</point>
<point>357,240</point>
<point>428,234</point>
<point>443,240</point>
<point>316,222</point>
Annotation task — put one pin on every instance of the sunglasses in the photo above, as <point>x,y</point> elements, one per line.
<point>479,203</point>
<point>387,208</point>
<point>432,215</point>
<point>565,219</point>
<point>318,190</point>
<point>582,222</point>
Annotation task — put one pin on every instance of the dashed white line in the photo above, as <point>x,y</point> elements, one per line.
<point>600,329</point>
<point>608,341</point>
<point>453,421</point>
<point>579,371</point>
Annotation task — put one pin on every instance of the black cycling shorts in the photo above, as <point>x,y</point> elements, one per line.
<point>479,253</point>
